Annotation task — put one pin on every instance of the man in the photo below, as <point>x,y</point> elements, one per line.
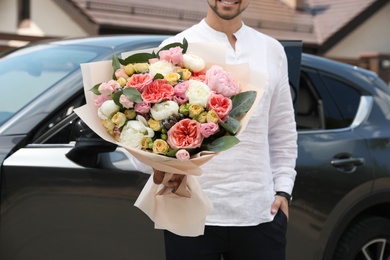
<point>249,184</point>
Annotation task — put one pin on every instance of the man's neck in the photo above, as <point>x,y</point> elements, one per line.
<point>229,27</point>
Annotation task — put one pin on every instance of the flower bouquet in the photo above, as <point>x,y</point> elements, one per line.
<point>172,108</point>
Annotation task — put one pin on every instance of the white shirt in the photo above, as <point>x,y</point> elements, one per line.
<point>241,181</point>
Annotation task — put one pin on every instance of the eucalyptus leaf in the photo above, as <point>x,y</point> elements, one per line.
<point>223,143</point>
<point>242,102</point>
<point>95,89</point>
<point>133,94</point>
<point>158,76</point>
<point>115,98</point>
<point>115,63</point>
<point>231,125</point>
<point>172,152</point>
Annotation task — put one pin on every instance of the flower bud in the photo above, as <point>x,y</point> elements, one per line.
<point>172,78</point>
<point>147,143</point>
<point>194,110</point>
<point>212,117</point>
<point>183,109</point>
<point>122,81</point>
<point>185,74</point>
<point>109,126</point>
<point>130,114</point>
<point>202,117</point>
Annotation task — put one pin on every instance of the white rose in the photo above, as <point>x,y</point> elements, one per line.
<point>164,110</point>
<point>133,133</point>
<point>198,93</point>
<point>107,109</point>
<point>193,62</point>
<point>162,66</point>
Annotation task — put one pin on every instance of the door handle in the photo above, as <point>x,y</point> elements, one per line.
<point>347,165</point>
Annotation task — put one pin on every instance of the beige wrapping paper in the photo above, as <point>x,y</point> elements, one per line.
<point>183,215</point>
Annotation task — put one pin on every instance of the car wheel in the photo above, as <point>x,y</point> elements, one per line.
<point>367,239</point>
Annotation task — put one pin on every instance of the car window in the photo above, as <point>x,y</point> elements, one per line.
<point>325,102</point>
<point>26,74</point>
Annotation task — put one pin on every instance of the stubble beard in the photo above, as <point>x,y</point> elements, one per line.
<point>227,16</point>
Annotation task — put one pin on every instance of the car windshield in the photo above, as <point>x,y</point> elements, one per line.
<point>27,73</point>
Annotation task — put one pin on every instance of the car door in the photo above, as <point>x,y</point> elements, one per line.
<point>54,208</point>
<point>333,159</point>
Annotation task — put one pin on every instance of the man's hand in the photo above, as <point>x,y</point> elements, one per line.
<point>281,203</point>
<point>173,183</point>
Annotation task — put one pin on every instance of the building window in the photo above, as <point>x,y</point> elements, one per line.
<point>23,13</point>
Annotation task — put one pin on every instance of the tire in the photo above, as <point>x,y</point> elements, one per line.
<point>366,239</point>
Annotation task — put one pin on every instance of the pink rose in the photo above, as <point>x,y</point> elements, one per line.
<point>99,100</point>
<point>120,73</point>
<point>185,134</point>
<point>157,91</point>
<point>142,108</point>
<point>182,155</point>
<point>220,81</point>
<point>173,55</point>
<point>221,105</point>
<point>208,129</point>
<point>140,81</point>
<point>180,92</point>
<point>109,87</point>
<point>125,101</point>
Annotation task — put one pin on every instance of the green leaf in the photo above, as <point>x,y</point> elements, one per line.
<point>115,98</point>
<point>223,143</point>
<point>158,76</point>
<point>115,63</point>
<point>95,89</point>
<point>172,152</point>
<point>133,94</point>
<point>139,58</point>
<point>231,125</point>
<point>242,102</point>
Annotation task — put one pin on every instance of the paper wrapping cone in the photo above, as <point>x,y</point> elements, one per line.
<point>166,207</point>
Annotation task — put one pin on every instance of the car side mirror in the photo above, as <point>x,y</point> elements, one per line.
<point>89,146</point>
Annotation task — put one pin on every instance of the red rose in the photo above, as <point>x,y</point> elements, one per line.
<point>158,91</point>
<point>221,105</point>
<point>185,134</point>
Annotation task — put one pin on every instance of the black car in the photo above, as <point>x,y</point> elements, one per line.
<point>67,194</point>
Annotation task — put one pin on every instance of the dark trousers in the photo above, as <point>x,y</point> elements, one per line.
<point>265,241</point>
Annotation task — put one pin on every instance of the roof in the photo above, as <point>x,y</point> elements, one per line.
<point>320,25</point>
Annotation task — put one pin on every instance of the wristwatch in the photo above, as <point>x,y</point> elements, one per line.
<point>286,195</point>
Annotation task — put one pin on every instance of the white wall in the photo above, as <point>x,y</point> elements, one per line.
<point>52,20</point>
<point>372,36</point>
<point>8,16</point>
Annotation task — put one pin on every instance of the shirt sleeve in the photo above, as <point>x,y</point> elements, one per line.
<point>282,131</point>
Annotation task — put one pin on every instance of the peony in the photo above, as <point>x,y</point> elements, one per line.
<point>185,134</point>
<point>164,110</point>
<point>208,129</point>
<point>193,62</point>
<point>160,146</point>
<point>182,155</point>
<point>221,82</point>
<point>198,93</point>
<point>109,87</point>
<point>107,109</point>
<point>161,67</point>
<point>157,91</point>
<point>221,105</point>
<point>139,81</point>
<point>133,133</point>
<point>125,101</point>
<point>173,55</point>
